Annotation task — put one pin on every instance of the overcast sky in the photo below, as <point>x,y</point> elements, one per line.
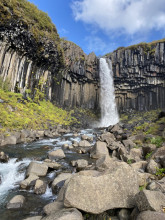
<point>103,25</point>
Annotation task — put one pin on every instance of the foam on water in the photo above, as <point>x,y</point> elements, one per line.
<point>10,176</point>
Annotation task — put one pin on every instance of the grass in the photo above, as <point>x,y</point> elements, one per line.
<point>17,113</point>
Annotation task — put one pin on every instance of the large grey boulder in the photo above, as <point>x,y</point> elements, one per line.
<point>16,202</point>
<point>150,215</point>
<point>38,169</point>
<point>108,138</point>
<point>57,154</point>
<point>100,149</point>
<point>114,188</point>
<point>58,182</point>
<point>65,214</point>
<point>128,143</point>
<point>150,200</point>
<point>52,207</point>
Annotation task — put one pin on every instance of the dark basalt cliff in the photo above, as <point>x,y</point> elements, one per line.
<point>80,77</point>
<point>139,76</point>
<point>31,59</point>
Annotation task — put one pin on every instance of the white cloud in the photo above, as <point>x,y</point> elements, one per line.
<point>121,16</point>
<point>96,44</point>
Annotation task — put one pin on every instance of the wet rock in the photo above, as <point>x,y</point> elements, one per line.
<point>38,169</point>
<point>48,134</point>
<point>40,187</point>
<point>30,181</point>
<point>79,164</point>
<point>86,137</point>
<point>152,167</point>
<point>65,146</point>
<point>52,207</point>
<point>4,158</point>
<point>150,200</point>
<point>10,140</point>
<point>65,214</point>
<point>150,215</point>
<point>16,202</point>
<point>100,149</point>
<point>51,164</point>
<point>59,181</point>
<point>57,154</point>
<point>95,194</point>
<point>40,134</point>
<point>84,143</point>
<point>75,144</point>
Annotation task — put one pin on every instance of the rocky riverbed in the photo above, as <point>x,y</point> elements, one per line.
<point>83,174</point>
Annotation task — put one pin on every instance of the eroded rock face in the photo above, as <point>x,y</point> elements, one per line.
<point>115,188</point>
<point>139,77</point>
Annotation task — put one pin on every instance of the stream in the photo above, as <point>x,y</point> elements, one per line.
<point>13,172</point>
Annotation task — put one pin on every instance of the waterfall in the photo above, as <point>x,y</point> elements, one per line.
<point>109,114</point>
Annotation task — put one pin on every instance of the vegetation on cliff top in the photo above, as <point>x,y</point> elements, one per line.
<point>147,47</point>
<point>38,22</point>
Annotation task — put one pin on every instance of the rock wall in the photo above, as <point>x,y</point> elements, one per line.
<point>79,84</point>
<point>69,79</point>
<point>139,77</point>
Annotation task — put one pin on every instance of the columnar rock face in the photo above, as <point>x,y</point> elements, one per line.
<point>69,79</point>
<point>79,84</point>
<point>139,76</point>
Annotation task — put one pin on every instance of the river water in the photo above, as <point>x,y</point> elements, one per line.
<point>13,172</point>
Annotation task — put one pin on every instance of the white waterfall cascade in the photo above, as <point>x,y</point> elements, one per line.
<point>109,113</point>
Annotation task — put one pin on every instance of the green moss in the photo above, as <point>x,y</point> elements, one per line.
<point>17,113</point>
<point>148,155</point>
<point>160,172</point>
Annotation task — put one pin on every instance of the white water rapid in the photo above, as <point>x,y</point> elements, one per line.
<point>109,114</point>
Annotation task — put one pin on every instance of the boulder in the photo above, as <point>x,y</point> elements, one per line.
<point>57,154</point>
<point>115,145</point>
<point>59,181</point>
<point>65,214</point>
<point>150,215</point>
<point>16,202</point>
<point>108,138</point>
<point>150,200</point>
<point>51,164</point>
<point>152,167</point>
<point>157,185</point>
<point>141,165</point>
<point>30,181</point>
<point>38,169</point>
<point>100,149</point>
<point>40,187</point>
<point>84,143</point>
<point>114,188</point>
<point>86,137</point>
<point>136,154</point>
<point>4,158</point>
<point>80,164</point>
<point>143,178</point>
<point>52,207</point>
<point>128,143</point>
<point>148,149</point>
<point>104,162</point>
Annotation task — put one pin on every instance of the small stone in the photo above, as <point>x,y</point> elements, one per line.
<point>16,202</point>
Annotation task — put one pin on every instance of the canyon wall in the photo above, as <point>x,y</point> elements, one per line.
<point>139,76</point>
<point>66,76</point>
